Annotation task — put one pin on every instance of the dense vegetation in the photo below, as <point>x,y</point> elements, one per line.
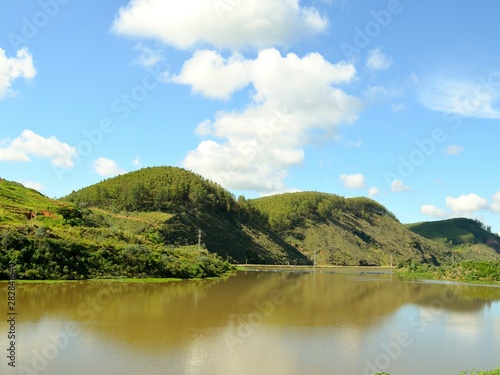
<point>482,372</point>
<point>459,232</point>
<point>149,223</point>
<point>286,211</point>
<point>346,231</point>
<point>49,239</point>
<point>470,270</point>
<point>37,254</point>
<point>233,229</point>
<point>473,372</point>
<point>155,189</point>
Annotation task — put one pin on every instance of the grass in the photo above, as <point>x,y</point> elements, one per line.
<point>39,281</point>
<point>471,372</point>
<point>482,372</point>
<point>481,272</point>
<point>458,233</point>
<point>140,280</point>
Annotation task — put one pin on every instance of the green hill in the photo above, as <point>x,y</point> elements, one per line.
<point>169,222</point>
<point>231,229</point>
<point>466,236</point>
<point>346,231</point>
<point>48,239</point>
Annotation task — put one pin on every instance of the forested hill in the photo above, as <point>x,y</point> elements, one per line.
<point>49,239</point>
<point>158,222</point>
<point>233,230</point>
<point>155,189</point>
<point>462,234</point>
<point>346,231</point>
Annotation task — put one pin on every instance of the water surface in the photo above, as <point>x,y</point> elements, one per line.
<point>322,322</point>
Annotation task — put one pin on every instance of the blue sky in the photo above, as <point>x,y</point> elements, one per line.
<point>398,100</point>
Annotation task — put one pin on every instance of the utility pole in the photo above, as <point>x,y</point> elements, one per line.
<point>199,239</point>
<point>314,257</point>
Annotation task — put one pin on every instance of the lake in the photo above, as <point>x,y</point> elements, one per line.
<point>323,321</point>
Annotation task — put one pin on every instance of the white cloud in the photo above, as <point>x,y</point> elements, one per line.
<point>373,191</point>
<point>107,167</point>
<point>463,98</point>
<point>377,60</point>
<point>29,144</point>
<point>12,68</point>
<point>243,165</point>
<point>137,162</point>
<point>454,150</point>
<point>495,206</point>
<point>432,211</point>
<point>353,181</point>
<point>211,75</point>
<point>292,97</point>
<point>33,185</point>
<point>219,23</point>
<point>466,204</point>
<point>398,186</point>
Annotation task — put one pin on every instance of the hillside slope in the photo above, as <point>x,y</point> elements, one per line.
<point>347,231</point>
<point>157,222</point>
<point>48,239</point>
<point>466,236</point>
<point>193,203</point>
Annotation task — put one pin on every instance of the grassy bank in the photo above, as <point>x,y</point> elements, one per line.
<point>468,271</point>
<point>471,372</point>
<point>481,372</point>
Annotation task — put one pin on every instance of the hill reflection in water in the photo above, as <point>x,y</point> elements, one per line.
<point>262,323</point>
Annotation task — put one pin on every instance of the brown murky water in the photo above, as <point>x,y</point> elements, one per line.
<point>280,323</point>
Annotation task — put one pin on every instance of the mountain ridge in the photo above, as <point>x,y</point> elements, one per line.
<point>144,219</point>
<point>465,235</point>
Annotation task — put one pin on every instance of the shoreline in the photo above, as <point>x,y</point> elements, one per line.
<point>300,266</point>
<point>404,275</point>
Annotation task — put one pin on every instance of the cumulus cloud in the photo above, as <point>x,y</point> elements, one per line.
<point>293,96</point>
<point>221,24</point>
<point>377,60</point>
<point>12,68</point>
<point>454,150</point>
<point>461,97</point>
<point>466,204</point>
<point>398,186</point>
<point>107,167</point>
<point>30,144</point>
<point>353,181</point>
<point>432,211</point>
<point>209,74</point>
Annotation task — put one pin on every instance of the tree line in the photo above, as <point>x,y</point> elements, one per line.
<point>37,254</point>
